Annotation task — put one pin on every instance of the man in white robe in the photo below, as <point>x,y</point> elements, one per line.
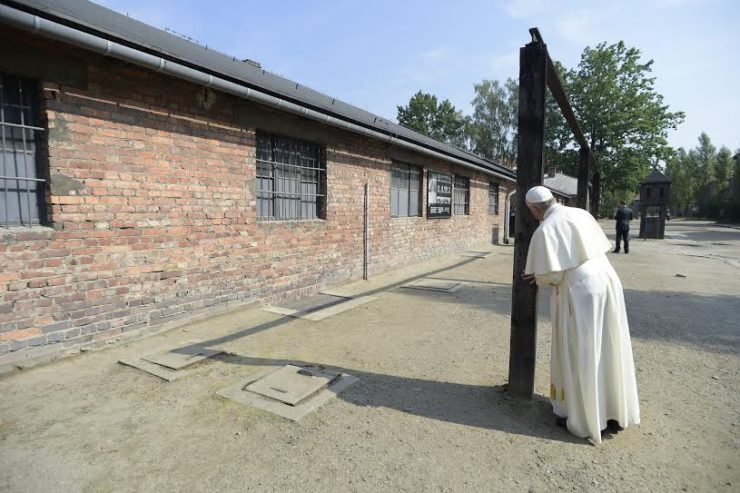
<point>592,378</point>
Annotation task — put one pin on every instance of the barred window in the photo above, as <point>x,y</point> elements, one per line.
<point>462,195</point>
<point>493,198</point>
<point>22,189</point>
<point>405,190</point>
<point>291,176</point>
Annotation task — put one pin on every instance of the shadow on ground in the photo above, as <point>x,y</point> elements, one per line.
<point>659,315</point>
<point>709,322</point>
<point>671,316</point>
<point>479,406</point>
<point>710,236</point>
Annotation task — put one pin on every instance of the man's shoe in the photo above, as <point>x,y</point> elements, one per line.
<point>615,251</point>
<point>613,426</point>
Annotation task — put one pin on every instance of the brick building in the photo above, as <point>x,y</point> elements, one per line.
<point>148,180</point>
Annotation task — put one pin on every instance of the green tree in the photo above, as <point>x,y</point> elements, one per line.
<point>560,146</point>
<point>736,175</point>
<point>723,172</point>
<point>682,169</point>
<point>703,178</point>
<point>706,153</point>
<point>494,121</point>
<point>441,121</point>
<point>624,119</point>
<point>732,211</point>
<point>705,191</point>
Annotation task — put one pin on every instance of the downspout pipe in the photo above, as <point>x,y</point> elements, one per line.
<point>507,212</point>
<point>50,29</point>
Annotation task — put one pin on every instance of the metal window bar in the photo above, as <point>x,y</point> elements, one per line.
<point>405,190</point>
<point>18,151</point>
<point>493,196</point>
<point>462,195</point>
<point>414,191</point>
<point>399,191</point>
<point>290,175</point>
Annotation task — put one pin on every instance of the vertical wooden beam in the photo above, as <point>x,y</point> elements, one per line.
<point>583,160</point>
<point>366,234</point>
<point>530,152</point>
<point>595,194</point>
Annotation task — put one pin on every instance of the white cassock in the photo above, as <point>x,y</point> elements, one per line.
<point>592,376</point>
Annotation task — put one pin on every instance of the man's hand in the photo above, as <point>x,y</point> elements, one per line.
<point>530,278</point>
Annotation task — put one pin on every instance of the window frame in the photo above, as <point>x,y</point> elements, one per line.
<point>291,178</point>
<point>398,169</point>
<point>26,135</point>
<point>494,196</point>
<point>456,187</point>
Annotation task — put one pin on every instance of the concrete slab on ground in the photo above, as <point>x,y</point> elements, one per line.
<point>291,384</point>
<point>182,357</point>
<point>429,284</point>
<point>322,311</point>
<point>316,302</point>
<point>241,394</point>
<point>170,365</point>
<point>476,254</point>
<point>158,371</point>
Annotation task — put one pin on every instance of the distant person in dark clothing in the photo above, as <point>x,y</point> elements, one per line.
<point>623,217</point>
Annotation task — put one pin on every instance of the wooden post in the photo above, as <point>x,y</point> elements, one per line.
<point>583,159</point>
<point>595,194</point>
<point>366,235</point>
<point>530,152</point>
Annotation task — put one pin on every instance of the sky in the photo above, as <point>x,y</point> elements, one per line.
<point>376,54</point>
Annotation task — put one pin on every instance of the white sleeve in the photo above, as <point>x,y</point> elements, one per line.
<point>550,279</point>
<point>536,248</point>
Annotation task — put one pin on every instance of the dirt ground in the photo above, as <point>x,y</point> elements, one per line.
<point>429,412</point>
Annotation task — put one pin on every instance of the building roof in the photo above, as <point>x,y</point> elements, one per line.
<point>105,23</point>
<point>562,184</point>
<point>656,176</point>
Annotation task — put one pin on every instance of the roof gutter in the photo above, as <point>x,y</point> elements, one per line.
<point>34,23</point>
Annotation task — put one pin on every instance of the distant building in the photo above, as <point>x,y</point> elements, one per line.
<point>655,195</point>
<point>563,187</point>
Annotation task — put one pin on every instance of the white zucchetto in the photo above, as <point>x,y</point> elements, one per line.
<point>538,194</point>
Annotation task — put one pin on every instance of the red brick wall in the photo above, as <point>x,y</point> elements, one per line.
<point>153,218</point>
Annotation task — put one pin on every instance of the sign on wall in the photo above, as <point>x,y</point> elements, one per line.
<point>439,195</point>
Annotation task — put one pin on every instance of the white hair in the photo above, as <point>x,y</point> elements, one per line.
<point>543,206</point>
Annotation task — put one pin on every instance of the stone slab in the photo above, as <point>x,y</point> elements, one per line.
<point>316,315</point>
<point>291,384</point>
<point>428,284</point>
<point>476,254</point>
<point>182,357</point>
<point>162,372</point>
<point>239,394</point>
<point>316,302</point>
